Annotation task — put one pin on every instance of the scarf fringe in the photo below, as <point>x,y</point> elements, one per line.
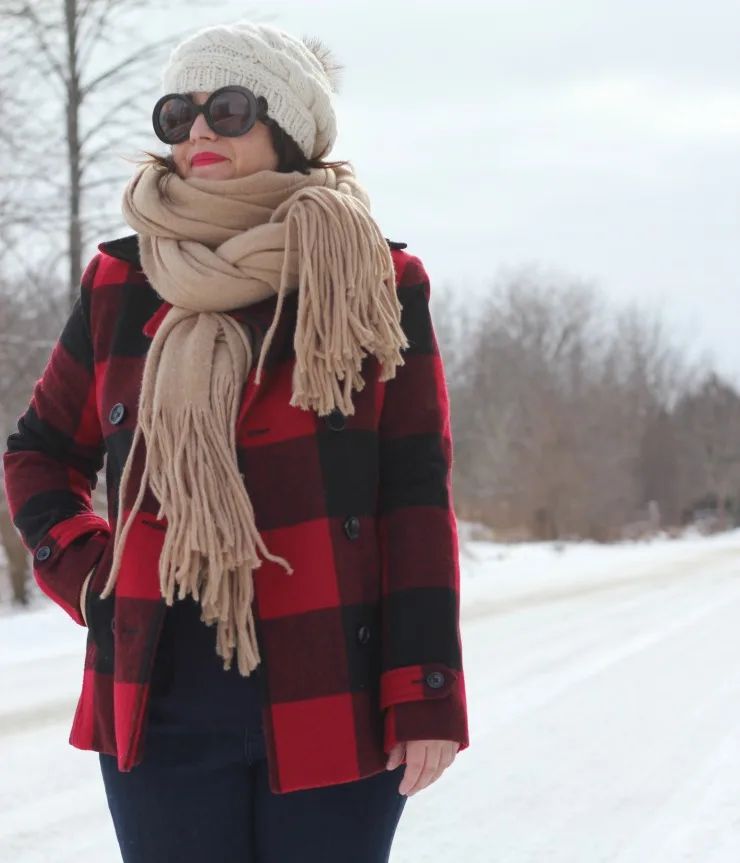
<point>212,545</point>
<point>348,307</point>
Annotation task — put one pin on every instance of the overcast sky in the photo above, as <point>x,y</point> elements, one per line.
<point>600,138</point>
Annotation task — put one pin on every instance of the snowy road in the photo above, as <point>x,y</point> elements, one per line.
<point>604,690</point>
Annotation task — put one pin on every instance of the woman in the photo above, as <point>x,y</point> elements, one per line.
<point>273,659</point>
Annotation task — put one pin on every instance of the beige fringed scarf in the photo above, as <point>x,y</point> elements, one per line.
<point>208,247</point>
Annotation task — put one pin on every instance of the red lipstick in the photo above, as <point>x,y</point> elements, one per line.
<point>207,158</point>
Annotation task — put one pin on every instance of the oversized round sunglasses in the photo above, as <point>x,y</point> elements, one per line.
<point>230,111</point>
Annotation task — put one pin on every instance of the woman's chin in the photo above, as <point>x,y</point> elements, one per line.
<point>215,171</point>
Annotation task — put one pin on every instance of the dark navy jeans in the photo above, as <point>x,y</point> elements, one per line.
<point>204,798</point>
<point>201,794</point>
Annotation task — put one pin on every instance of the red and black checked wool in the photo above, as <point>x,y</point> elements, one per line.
<point>361,645</point>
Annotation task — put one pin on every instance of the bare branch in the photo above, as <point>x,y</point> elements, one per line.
<point>103,124</point>
<point>39,32</point>
<point>69,57</point>
<point>105,182</point>
<point>126,65</point>
<point>97,28</point>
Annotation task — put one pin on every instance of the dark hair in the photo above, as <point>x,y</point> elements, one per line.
<point>290,156</point>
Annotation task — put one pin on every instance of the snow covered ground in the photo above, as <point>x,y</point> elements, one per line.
<point>604,688</point>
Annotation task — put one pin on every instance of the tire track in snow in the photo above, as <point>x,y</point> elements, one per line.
<point>524,699</point>
<point>33,718</point>
<point>45,692</point>
<point>555,642</point>
<point>710,793</point>
<point>656,575</point>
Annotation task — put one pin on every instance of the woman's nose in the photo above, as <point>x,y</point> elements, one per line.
<point>200,129</point>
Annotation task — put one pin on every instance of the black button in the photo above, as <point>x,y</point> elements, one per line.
<point>435,680</point>
<point>352,527</point>
<point>363,634</point>
<point>117,413</point>
<point>336,421</point>
<point>43,553</point>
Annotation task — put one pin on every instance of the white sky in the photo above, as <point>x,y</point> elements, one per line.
<point>597,137</point>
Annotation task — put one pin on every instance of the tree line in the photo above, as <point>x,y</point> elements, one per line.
<point>573,419</point>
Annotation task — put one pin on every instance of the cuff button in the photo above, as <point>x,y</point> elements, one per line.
<point>435,680</point>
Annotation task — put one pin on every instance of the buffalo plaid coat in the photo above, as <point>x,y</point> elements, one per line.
<point>361,645</point>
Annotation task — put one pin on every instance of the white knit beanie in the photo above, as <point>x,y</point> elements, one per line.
<point>296,77</point>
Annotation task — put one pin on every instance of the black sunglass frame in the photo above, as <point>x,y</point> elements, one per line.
<point>257,111</point>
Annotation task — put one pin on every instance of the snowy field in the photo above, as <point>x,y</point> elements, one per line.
<point>604,688</point>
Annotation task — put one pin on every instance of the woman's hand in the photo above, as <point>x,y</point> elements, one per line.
<point>83,595</point>
<point>426,761</point>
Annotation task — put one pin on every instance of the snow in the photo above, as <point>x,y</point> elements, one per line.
<point>604,690</point>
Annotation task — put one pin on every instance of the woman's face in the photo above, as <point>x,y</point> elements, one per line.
<point>239,157</point>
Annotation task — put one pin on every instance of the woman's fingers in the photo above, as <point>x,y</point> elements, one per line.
<point>83,595</point>
<point>431,768</point>
<point>449,753</point>
<point>395,758</point>
<point>426,761</point>
<point>416,756</point>
<point>447,757</point>
<point>425,756</point>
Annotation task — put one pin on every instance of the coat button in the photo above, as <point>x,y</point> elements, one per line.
<point>363,634</point>
<point>336,421</point>
<point>117,413</point>
<point>435,680</point>
<point>352,527</point>
<point>43,553</point>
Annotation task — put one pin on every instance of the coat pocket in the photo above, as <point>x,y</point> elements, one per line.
<point>100,614</point>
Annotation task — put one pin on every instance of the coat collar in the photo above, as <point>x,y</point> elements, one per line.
<point>124,249</point>
<point>127,248</point>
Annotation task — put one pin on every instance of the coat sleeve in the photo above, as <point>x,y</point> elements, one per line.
<point>422,684</point>
<point>52,461</point>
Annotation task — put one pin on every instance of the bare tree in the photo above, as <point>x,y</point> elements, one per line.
<point>708,421</point>
<point>84,84</point>
<point>555,398</point>
<point>32,311</point>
